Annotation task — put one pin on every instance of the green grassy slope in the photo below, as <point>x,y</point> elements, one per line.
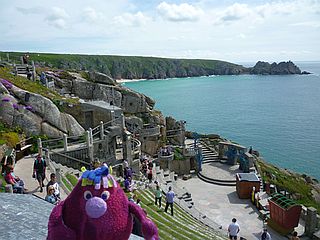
<point>133,66</point>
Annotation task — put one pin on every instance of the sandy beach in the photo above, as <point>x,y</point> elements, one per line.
<point>129,80</point>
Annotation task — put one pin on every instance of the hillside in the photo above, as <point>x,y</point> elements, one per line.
<point>132,67</point>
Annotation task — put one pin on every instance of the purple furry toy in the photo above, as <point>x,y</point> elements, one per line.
<point>97,209</point>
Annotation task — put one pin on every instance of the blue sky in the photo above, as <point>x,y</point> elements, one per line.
<point>235,31</point>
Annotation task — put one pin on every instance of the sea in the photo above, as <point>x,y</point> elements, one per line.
<point>277,115</point>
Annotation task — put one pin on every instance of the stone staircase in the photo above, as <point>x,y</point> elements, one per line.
<point>208,153</point>
<point>220,182</point>
<point>181,226</point>
<point>210,156</point>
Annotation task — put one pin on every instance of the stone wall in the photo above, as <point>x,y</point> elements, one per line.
<point>180,167</point>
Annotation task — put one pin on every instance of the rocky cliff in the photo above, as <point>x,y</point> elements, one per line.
<point>282,68</point>
<point>34,113</point>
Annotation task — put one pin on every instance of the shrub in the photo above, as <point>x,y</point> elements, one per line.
<point>10,138</point>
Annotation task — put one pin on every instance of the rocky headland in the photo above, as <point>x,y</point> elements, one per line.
<point>135,67</point>
<point>282,68</point>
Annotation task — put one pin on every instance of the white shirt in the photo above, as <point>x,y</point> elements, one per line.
<point>233,229</point>
<point>56,188</point>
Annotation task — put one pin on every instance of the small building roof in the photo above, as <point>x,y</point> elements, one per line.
<point>102,104</point>
<point>248,177</point>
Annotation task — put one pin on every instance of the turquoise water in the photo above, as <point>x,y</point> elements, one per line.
<point>278,115</point>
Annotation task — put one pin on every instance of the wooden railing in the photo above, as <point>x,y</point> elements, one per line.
<point>68,160</point>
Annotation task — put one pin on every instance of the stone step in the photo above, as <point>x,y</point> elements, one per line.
<point>187,199</point>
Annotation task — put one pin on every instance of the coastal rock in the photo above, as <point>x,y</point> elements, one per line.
<point>101,78</point>
<point>36,114</point>
<point>282,68</point>
<point>29,122</point>
<point>51,131</point>
<point>43,106</point>
<point>7,112</point>
<point>3,89</point>
<point>73,127</point>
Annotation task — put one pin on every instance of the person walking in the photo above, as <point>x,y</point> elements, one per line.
<point>295,236</point>
<point>265,235</point>
<point>158,196</point>
<point>53,182</point>
<point>39,170</point>
<point>169,200</point>
<point>233,229</point>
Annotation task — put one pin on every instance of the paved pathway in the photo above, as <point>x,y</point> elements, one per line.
<point>24,169</point>
<point>221,204</point>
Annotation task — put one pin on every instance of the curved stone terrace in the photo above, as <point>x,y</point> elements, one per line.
<point>221,203</point>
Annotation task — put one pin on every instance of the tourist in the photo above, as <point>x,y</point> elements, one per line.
<point>131,198</point>
<point>129,185</point>
<point>169,200</point>
<point>25,58</point>
<point>39,171</point>
<point>138,202</point>
<point>53,182</point>
<point>158,196</point>
<point>15,181</point>
<point>265,235</point>
<point>233,229</point>
<point>43,78</point>
<point>150,175</point>
<point>128,173</point>
<point>29,73</point>
<point>50,195</point>
<point>294,236</point>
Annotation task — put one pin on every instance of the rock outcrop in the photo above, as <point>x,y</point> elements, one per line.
<point>282,68</point>
<point>125,98</point>
<point>36,114</point>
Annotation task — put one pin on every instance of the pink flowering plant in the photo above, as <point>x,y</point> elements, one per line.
<point>15,106</point>
<point>6,83</point>
<point>29,107</point>
<point>6,99</point>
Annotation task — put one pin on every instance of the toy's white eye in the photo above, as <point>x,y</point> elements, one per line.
<point>105,195</point>
<point>87,195</point>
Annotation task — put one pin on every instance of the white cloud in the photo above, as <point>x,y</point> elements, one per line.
<point>239,11</point>
<point>57,18</point>
<point>235,12</point>
<point>27,11</point>
<point>132,20</point>
<point>313,24</point>
<point>179,13</point>
<point>89,14</point>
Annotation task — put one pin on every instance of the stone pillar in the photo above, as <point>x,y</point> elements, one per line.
<point>8,57</point>
<point>123,121</point>
<point>311,221</point>
<point>113,117</point>
<point>21,59</point>
<point>58,175</point>
<point>90,144</point>
<point>33,71</point>
<point>127,148</point>
<point>65,142</point>
<point>101,131</point>
<point>40,146</point>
